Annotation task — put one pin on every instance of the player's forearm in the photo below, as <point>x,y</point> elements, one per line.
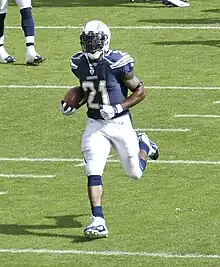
<point>136,97</point>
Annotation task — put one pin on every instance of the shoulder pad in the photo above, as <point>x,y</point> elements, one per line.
<point>118,59</point>
<point>75,60</point>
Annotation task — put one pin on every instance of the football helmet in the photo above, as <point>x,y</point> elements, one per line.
<point>95,39</point>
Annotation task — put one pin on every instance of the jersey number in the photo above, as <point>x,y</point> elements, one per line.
<point>90,87</point>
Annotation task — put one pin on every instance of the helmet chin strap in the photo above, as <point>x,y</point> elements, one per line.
<point>95,56</point>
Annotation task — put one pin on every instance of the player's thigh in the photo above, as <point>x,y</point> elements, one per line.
<point>23,3</point>
<point>127,147</point>
<point>129,158</point>
<point>96,148</point>
<point>3,6</point>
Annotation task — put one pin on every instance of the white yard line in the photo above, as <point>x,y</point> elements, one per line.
<point>185,87</point>
<point>43,159</point>
<point>146,27</point>
<point>36,86</point>
<point>188,162</point>
<point>44,86</point>
<point>161,130</point>
<point>80,164</point>
<point>4,193</point>
<point>216,102</point>
<point>111,253</point>
<point>14,175</point>
<point>196,116</point>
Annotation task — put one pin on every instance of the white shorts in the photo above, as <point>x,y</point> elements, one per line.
<point>3,6</point>
<point>101,135</point>
<point>20,3</point>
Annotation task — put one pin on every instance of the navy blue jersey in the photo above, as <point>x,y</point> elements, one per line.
<point>102,81</point>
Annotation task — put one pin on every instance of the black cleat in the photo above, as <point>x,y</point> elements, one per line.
<point>9,59</point>
<point>153,147</point>
<point>36,60</point>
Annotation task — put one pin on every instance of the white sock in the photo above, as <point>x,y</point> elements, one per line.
<point>30,50</point>
<point>3,53</point>
<point>2,40</point>
<point>99,220</point>
<point>30,39</point>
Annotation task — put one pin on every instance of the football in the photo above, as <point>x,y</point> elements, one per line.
<point>74,97</point>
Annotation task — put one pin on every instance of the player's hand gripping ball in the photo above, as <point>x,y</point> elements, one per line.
<point>73,99</point>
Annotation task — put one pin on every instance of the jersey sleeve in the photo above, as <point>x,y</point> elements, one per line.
<point>75,63</point>
<point>123,64</point>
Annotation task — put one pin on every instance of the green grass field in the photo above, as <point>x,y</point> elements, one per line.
<point>171,216</point>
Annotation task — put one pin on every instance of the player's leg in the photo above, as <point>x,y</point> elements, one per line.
<point>4,56</point>
<point>176,3</point>
<point>137,151</point>
<point>96,149</point>
<point>134,150</point>
<point>28,26</point>
<point>148,146</point>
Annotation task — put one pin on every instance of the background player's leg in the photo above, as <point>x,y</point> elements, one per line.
<point>176,3</point>
<point>4,56</point>
<point>28,26</point>
<point>95,148</point>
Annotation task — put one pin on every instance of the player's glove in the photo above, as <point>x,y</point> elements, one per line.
<point>64,110</point>
<point>108,112</point>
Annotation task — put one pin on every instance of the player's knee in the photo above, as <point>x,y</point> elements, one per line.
<point>93,168</point>
<point>132,168</point>
<point>90,170</point>
<point>134,173</point>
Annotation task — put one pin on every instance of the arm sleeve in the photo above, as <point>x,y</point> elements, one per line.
<point>74,67</point>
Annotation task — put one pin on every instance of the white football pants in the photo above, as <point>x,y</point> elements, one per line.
<point>98,138</point>
<point>21,4</point>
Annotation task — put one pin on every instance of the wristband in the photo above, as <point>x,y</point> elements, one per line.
<point>118,109</point>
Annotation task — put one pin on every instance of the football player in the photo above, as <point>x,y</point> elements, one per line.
<point>106,76</point>
<point>173,3</point>
<point>27,24</point>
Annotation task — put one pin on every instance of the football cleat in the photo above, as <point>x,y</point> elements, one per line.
<point>5,57</point>
<point>9,59</point>
<point>176,3</point>
<point>97,229</point>
<point>153,148</point>
<point>34,60</point>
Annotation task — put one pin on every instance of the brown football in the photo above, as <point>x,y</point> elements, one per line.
<point>74,97</point>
